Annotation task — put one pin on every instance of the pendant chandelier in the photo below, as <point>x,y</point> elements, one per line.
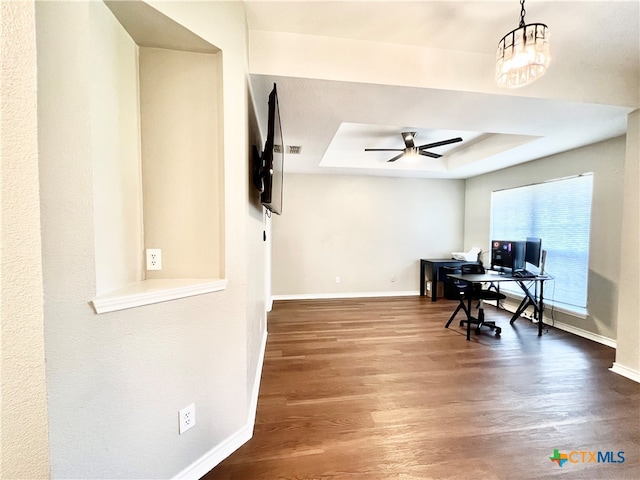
<point>523,54</point>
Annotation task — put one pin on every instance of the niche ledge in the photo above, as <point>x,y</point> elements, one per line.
<point>148,292</point>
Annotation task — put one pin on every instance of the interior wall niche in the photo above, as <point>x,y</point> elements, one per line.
<point>179,124</point>
<point>157,143</point>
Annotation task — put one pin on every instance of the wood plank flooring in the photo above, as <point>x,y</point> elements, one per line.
<point>378,389</point>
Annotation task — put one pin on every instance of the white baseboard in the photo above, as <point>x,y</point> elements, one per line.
<point>609,342</point>
<point>253,407</point>
<point>213,457</point>
<point>328,296</point>
<point>217,454</point>
<point>626,372</point>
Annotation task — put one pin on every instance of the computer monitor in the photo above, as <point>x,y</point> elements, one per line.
<point>533,251</point>
<point>507,254</point>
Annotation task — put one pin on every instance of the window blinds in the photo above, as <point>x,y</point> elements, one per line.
<point>558,212</point>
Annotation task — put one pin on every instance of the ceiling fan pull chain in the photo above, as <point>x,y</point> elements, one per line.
<point>522,13</point>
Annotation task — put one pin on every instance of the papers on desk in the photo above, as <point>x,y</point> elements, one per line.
<point>470,256</point>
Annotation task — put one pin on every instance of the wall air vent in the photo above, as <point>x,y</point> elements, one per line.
<point>289,149</point>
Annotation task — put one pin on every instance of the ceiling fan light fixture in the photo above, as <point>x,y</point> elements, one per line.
<point>412,154</point>
<point>411,151</point>
<point>523,54</point>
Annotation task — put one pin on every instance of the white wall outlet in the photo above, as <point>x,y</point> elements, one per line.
<point>337,279</point>
<point>154,259</point>
<point>186,418</point>
<point>393,278</point>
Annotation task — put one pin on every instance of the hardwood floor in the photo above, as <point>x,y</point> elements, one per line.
<point>379,389</point>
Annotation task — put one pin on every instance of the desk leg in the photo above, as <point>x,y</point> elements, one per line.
<point>468,319</point>
<point>422,282</point>
<point>521,308</point>
<point>536,303</point>
<point>434,283</point>
<point>540,309</point>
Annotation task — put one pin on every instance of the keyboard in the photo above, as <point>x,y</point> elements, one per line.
<point>524,274</point>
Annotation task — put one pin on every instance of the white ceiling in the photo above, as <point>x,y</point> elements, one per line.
<point>355,74</point>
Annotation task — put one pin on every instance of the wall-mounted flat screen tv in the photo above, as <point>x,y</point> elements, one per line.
<point>268,174</point>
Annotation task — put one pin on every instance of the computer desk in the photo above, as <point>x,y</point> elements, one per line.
<point>530,299</point>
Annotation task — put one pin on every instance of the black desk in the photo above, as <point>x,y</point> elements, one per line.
<point>431,268</point>
<point>530,299</point>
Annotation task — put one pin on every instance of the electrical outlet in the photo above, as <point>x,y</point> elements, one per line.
<point>393,278</point>
<point>337,279</point>
<point>154,259</point>
<point>186,418</point>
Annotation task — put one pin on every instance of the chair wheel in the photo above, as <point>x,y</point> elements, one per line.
<point>498,332</point>
<point>462,323</point>
<point>478,331</point>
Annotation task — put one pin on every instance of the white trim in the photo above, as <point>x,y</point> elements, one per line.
<point>217,454</point>
<point>550,305</point>
<point>609,342</point>
<point>213,457</point>
<point>320,296</point>
<point>253,407</point>
<point>626,372</point>
<point>148,292</point>
<point>577,312</point>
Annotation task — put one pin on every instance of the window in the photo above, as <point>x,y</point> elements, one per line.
<point>558,212</point>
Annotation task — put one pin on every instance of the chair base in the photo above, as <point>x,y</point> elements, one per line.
<point>489,324</point>
<point>480,322</point>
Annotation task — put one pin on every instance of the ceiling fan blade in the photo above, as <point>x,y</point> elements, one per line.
<point>429,154</point>
<point>384,149</point>
<point>395,158</point>
<point>439,144</point>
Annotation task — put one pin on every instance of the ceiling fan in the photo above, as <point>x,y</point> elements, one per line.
<point>412,149</point>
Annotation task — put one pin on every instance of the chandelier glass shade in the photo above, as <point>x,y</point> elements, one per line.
<point>523,54</point>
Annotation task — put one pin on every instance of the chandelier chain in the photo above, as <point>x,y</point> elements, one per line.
<point>522,13</point>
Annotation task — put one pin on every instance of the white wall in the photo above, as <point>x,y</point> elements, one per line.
<point>628,326</point>
<point>258,275</point>
<point>115,132</point>
<point>182,191</point>
<point>24,445</point>
<point>606,160</point>
<point>363,229</point>
<point>116,381</point>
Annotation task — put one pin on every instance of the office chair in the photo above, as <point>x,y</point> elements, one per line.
<point>466,293</point>
<point>455,289</point>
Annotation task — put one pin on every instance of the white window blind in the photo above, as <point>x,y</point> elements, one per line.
<point>558,212</point>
